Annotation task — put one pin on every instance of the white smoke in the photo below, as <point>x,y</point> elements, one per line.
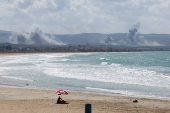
<point>131,37</point>
<point>108,40</point>
<point>144,42</point>
<point>36,37</point>
<point>137,25</point>
<point>132,40</point>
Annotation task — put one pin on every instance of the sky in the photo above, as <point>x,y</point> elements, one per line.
<point>85,16</point>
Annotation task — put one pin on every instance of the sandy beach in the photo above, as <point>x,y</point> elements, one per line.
<point>29,100</point>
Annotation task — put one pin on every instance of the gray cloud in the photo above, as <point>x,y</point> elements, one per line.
<point>24,4</point>
<point>105,16</point>
<point>61,4</point>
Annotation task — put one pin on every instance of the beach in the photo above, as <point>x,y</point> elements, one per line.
<point>30,100</point>
<point>33,100</point>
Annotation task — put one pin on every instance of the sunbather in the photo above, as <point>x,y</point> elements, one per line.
<point>60,100</point>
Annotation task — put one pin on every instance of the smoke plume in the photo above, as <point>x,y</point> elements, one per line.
<point>36,37</point>
<point>133,40</point>
<point>108,40</point>
<point>144,42</point>
<point>130,39</point>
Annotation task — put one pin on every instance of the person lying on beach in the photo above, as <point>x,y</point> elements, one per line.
<point>60,100</point>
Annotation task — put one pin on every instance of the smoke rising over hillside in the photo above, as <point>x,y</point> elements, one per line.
<point>108,40</point>
<point>132,40</point>
<point>36,37</point>
<point>131,37</point>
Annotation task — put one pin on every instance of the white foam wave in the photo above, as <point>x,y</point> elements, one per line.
<point>17,78</point>
<point>104,59</point>
<point>64,59</point>
<point>75,60</point>
<point>104,63</point>
<point>104,71</point>
<point>84,54</point>
<point>123,92</point>
<point>116,65</point>
<point>111,73</point>
<point>56,55</point>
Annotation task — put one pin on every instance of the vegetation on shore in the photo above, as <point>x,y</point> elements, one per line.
<point>16,48</point>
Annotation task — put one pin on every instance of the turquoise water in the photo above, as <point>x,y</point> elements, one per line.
<point>144,74</point>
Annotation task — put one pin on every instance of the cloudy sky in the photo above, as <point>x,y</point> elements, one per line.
<point>85,16</point>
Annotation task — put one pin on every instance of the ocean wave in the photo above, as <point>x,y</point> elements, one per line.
<point>126,93</point>
<point>17,78</point>
<point>111,74</point>
<point>125,70</point>
<point>122,92</point>
<point>104,63</point>
<point>104,59</point>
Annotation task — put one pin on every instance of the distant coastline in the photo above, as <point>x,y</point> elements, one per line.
<point>16,48</point>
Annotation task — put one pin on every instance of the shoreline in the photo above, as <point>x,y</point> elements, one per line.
<point>135,96</point>
<point>24,99</point>
<point>36,100</point>
<point>99,93</point>
<point>6,54</point>
<point>22,53</point>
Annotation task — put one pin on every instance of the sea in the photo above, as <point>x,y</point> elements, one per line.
<point>136,74</point>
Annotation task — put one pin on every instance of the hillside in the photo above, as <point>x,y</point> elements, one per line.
<point>121,39</point>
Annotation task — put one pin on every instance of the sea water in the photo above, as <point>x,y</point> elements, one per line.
<point>143,74</point>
